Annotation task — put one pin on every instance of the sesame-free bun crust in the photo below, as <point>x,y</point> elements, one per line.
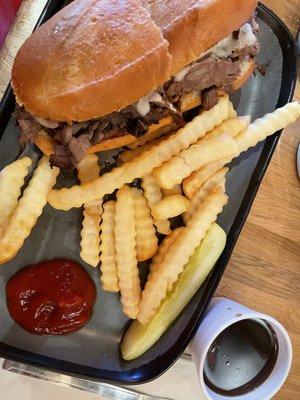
<point>193,26</point>
<point>90,59</point>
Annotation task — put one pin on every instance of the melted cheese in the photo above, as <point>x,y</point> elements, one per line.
<point>143,105</point>
<point>228,45</point>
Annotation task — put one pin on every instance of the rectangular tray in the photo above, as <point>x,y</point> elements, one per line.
<point>93,351</point>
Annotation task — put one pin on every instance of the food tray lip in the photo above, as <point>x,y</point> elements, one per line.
<point>159,365</point>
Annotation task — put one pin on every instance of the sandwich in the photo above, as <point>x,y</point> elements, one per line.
<point>102,74</point>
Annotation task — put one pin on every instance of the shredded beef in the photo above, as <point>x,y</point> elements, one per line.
<point>28,126</point>
<point>209,98</point>
<point>204,74</point>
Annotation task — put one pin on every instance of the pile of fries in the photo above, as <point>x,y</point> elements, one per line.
<point>182,173</point>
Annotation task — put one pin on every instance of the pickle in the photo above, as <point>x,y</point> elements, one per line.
<point>139,338</point>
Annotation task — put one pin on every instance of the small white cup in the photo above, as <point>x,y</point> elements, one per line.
<point>221,314</point>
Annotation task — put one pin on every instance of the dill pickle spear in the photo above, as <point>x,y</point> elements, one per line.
<point>139,338</point>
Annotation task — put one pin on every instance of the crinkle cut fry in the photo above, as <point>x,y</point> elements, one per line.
<point>29,208</point>
<point>125,241</point>
<point>11,181</point>
<point>108,266</point>
<point>146,240</point>
<point>178,255</point>
<point>153,195</point>
<point>65,199</point>
<point>88,170</point>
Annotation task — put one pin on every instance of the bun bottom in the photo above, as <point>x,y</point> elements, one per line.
<point>189,101</point>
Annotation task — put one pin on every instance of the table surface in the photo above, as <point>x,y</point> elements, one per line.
<point>263,272</point>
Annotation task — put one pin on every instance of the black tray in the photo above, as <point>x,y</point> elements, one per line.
<point>93,351</point>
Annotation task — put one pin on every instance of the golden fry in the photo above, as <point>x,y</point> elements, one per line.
<point>216,179</point>
<point>204,152</point>
<point>164,248</point>
<point>88,170</point>
<point>153,195</point>
<point>128,155</point>
<point>174,190</point>
<point>146,240</point>
<point>125,240</point>
<point>11,181</point>
<point>64,199</point>
<point>178,255</point>
<point>170,206</point>
<point>109,277</point>
<point>232,126</point>
<point>29,209</point>
<point>269,124</point>
<point>192,184</point>
<point>90,233</point>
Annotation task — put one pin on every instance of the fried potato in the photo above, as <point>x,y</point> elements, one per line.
<point>153,195</point>
<point>28,210</point>
<point>90,233</point>
<point>125,240</point>
<point>176,189</point>
<point>164,247</point>
<point>88,170</point>
<point>11,181</point>
<point>164,126</point>
<point>108,267</point>
<point>232,126</point>
<point>178,255</point>
<point>146,240</point>
<point>130,154</point>
<point>65,199</point>
<point>139,338</point>
<point>192,184</point>
<point>170,206</point>
<point>218,178</point>
<point>269,124</point>
<point>204,152</point>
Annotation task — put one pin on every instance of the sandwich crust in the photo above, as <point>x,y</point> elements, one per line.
<point>193,26</point>
<point>90,59</point>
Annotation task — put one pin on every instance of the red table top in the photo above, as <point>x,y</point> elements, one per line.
<point>8,10</point>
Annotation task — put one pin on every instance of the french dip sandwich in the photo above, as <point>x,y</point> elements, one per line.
<point>102,73</point>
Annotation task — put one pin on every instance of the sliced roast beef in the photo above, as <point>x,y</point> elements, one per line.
<point>204,74</point>
<point>28,126</point>
<point>209,98</point>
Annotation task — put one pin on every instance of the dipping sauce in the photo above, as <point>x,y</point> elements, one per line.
<point>241,358</point>
<point>51,298</point>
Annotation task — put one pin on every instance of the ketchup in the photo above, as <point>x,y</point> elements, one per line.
<point>53,297</point>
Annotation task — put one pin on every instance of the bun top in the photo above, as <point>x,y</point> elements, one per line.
<point>99,56</point>
<point>90,59</point>
<point>193,26</point>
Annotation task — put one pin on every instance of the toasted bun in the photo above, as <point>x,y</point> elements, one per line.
<point>90,59</point>
<point>247,69</point>
<point>193,26</point>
